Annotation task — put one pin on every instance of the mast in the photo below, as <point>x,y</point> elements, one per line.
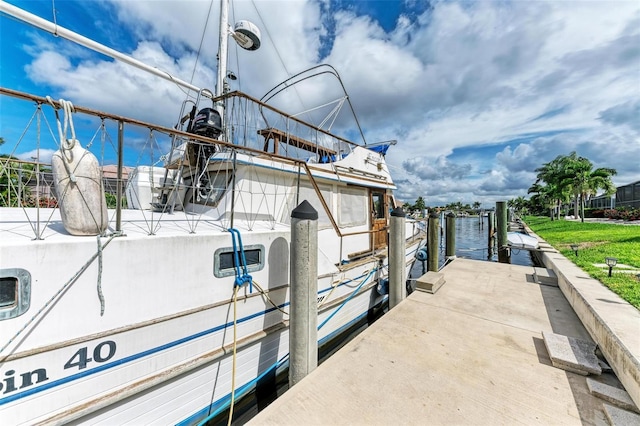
<point>222,47</point>
<point>222,65</point>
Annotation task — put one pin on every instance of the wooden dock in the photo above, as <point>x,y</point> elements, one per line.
<point>472,353</point>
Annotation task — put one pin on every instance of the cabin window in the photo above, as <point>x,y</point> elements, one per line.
<point>378,205</point>
<point>224,263</point>
<point>353,207</point>
<point>8,292</point>
<point>307,192</point>
<point>15,292</point>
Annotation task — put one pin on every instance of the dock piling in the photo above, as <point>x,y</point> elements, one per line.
<point>504,256</point>
<point>397,270</point>
<point>303,312</point>
<point>432,241</point>
<point>450,239</point>
<point>491,220</point>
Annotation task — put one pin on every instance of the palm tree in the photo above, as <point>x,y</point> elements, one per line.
<point>420,204</point>
<point>584,181</point>
<point>555,191</point>
<point>542,198</point>
<point>519,205</point>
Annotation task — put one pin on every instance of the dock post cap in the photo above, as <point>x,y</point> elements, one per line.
<point>434,215</point>
<point>451,214</point>
<point>304,211</point>
<point>398,212</point>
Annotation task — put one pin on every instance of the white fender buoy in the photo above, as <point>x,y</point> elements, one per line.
<point>78,183</point>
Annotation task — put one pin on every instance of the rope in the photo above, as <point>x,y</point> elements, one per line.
<point>348,298</point>
<point>334,285</point>
<point>266,295</point>
<point>71,281</point>
<point>68,109</point>
<point>100,295</point>
<point>242,278</point>
<point>65,144</point>
<point>245,388</point>
<point>242,274</point>
<point>235,342</point>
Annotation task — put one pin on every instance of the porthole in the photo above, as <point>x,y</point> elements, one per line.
<point>15,292</point>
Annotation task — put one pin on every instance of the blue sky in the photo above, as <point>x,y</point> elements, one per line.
<point>478,93</point>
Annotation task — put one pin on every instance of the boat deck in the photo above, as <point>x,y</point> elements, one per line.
<point>20,224</point>
<point>473,353</point>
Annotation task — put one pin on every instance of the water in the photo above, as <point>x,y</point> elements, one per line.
<point>472,243</point>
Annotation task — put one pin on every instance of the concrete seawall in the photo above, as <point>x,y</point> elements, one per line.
<point>613,323</point>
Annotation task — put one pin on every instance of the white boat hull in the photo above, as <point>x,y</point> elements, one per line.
<point>523,241</point>
<point>162,349</point>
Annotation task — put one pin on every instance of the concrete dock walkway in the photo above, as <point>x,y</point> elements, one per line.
<point>470,354</point>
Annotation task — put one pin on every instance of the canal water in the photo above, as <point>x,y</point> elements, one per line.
<point>472,242</point>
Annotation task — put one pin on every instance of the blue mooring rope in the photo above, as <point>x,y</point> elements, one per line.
<point>242,275</point>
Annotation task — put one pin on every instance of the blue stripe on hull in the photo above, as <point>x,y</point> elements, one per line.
<point>139,355</point>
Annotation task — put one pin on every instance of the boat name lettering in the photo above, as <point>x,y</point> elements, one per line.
<point>11,382</point>
<point>80,359</point>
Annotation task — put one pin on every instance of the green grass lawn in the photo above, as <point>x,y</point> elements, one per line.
<point>596,241</point>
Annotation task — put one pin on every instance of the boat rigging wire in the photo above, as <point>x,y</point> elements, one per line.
<point>266,29</point>
<point>204,31</point>
<point>284,66</point>
<point>55,21</point>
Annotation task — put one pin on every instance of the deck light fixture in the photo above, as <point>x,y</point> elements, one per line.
<point>574,247</point>
<point>611,262</point>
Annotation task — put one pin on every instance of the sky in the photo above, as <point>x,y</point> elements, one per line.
<point>478,94</point>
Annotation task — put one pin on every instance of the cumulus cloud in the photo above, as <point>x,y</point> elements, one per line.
<point>441,168</point>
<point>478,94</point>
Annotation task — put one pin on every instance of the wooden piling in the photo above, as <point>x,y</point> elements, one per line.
<point>491,233</point>
<point>504,254</point>
<point>433,229</point>
<point>450,240</point>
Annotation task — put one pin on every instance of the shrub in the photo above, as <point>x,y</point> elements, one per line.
<point>623,213</point>
<point>596,213</point>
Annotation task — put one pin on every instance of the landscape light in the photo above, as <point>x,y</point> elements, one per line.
<point>611,262</point>
<point>574,247</point>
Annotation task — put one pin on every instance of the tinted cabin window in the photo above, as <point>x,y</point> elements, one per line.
<point>228,260</point>
<point>8,292</point>
<point>15,292</point>
<point>378,205</point>
<point>224,263</point>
